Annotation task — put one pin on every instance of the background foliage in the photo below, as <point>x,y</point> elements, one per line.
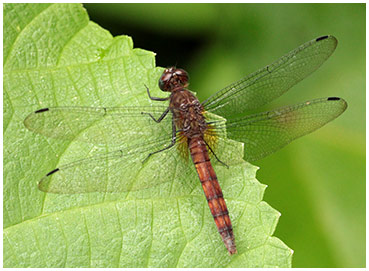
<point>318,182</point>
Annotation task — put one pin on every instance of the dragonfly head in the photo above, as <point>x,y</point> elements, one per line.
<point>173,78</point>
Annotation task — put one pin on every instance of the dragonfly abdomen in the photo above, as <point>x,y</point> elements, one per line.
<point>212,190</point>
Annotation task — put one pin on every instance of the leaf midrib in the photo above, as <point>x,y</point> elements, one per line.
<point>121,200</point>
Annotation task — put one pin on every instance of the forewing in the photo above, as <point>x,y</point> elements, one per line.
<point>118,171</point>
<point>272,81</point>
<point>99,125</point>
<point>266,132</point>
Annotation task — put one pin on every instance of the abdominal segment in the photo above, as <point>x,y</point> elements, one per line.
<point>212,190</point>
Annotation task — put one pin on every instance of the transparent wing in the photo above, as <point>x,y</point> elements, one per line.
<point>99,125</point>
<point>118,171</point>
<point>272,81</point>
<point>126,168</point>
<point>264,133</point>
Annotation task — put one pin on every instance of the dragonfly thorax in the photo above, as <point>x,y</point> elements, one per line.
<point>188,113</point>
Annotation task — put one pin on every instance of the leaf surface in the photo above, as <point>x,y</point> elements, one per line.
<point>55,56</point>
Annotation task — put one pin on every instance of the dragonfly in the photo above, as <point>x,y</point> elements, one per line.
<point>187,128</point>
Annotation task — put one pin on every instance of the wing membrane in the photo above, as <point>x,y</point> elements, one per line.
<point>118,171</point>
<point>99,125</point>
<point>266,132</point>
<point>272,81</point>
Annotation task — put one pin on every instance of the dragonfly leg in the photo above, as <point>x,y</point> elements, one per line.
<point>224,164</point>
<point>160,118</point>
<point>174,139</point>
<point>156,98</point>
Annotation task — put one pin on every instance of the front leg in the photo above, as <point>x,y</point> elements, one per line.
<point>156,98</point>
<point>160,118</point>
<point>174,139</point>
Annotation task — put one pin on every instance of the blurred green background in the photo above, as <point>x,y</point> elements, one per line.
<point>318,181</point>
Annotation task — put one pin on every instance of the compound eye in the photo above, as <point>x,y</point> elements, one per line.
<point>182,75</point>
<point>165,80</point>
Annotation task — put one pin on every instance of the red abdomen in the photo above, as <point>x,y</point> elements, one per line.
<point>212,190</point>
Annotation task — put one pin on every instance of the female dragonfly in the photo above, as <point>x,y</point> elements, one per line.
<point>187,122</point>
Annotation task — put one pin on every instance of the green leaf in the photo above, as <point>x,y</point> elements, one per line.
<point>55,56</point>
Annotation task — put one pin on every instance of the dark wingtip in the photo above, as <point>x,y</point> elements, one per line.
<point>42,110</point>
<point>342,101</point>
<point>322,38</point>
<point>52,172</point>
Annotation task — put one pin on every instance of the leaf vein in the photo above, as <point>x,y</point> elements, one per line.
<point>26,26</point>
